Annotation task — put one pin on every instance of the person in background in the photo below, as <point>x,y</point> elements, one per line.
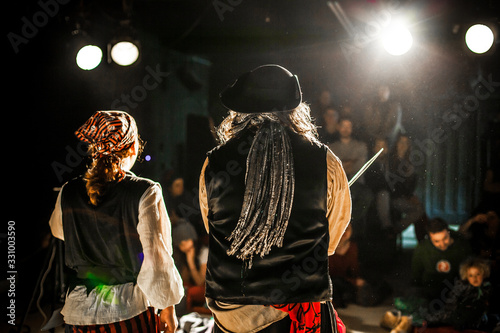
<point>483,232</point>
<point>349,283</point>
<point>191,259</point>
<point>436,260</point>
<point>182,204</point>
<point>406,207</point>
<point>323,100</point>
<point>344,270</point>
<point>383,117</point>
<point>376,180</point>
<point>354,153</point>
<point>462,306</point>
<point>328,129</point>
<point>117,237</point>
<point>468,305</point>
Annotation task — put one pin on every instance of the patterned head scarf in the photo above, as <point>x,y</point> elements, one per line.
<point>108,131</point>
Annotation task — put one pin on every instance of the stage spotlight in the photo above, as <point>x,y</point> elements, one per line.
<point>124,53</point>
<point>89,57</point>
<point>397,40</point>
<point>479,38</point>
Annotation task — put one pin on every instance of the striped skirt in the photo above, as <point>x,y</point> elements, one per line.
<point>146,322</point>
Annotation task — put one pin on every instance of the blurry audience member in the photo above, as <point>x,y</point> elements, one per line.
<point>181,203</point>
<point>347,111</point>
<point>353,154</point>
<point>348,284</point>
<point>436,259</point>
<point>464,305</point>
<point>344,270</point>
<point>468,306</point>
<point>191,258</point>
<point>407,208</point>
<point>328,127</point>
<point>383,117</point>
<point>491,184</point>
<point>323,101</point>
<point>376,180</point>
<point>482,230</point>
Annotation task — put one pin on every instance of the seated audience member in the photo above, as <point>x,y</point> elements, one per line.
<point>328,127</point>
<point>406,207</point>
<point>191,261</point>
<point>435,270</point>
<point>376,180</point>
<point>182,203</point>
<point>353,154</point>
<point>344,270</point>
<point>491,183</point>
<point>349,286</point>
<point>482,231</point>
<point>466,305</point>
<point>469,306</point>
<point>323,100</point>
<point>382,117</point>
<point>437,258</point>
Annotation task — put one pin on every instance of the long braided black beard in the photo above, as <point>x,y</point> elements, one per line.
<point>267,203</point>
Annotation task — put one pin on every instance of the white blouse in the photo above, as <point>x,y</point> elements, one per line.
<point>159,283</point>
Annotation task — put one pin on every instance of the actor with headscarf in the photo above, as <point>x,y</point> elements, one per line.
<point>275,202</point>
<point>117,237</point>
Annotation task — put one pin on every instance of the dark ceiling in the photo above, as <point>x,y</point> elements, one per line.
<point>207,25</point>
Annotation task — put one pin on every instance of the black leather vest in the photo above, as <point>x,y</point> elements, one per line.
<point>296,272</point>
<point>101,242</point>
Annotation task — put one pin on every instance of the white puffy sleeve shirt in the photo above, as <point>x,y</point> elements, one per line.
<point>159,284</point>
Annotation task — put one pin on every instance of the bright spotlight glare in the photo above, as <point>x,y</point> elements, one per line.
<point>124,53</point>
<point>89,57</point>
<point>397,39</point>
<point>479,38</point>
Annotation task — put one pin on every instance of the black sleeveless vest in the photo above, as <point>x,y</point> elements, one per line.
<point>296,272</point>
<point>101,242</point>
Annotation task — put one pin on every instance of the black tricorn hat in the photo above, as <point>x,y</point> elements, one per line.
<point>267,88</point>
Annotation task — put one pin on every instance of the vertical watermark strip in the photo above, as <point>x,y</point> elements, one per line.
<point>11,272</point>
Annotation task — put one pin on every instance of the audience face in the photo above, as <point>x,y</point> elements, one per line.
<point>402,146</point>
<point>441,239</point>
<point>177,187</point>
<point>475,276</point>
<point>186,245</point>
<point>325,97</point>
<point>383,93</point>
<point>379,144</point>
<point>330,117</point>
<point>345,129</point>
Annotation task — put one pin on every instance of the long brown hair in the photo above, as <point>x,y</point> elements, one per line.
<point>298,119</point>
<point>105,170</point>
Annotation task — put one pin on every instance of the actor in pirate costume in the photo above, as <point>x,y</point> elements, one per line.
<point>117,237</point>
<point>275,202</point>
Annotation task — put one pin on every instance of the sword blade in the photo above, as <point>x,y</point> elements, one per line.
<point>364,168</point>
